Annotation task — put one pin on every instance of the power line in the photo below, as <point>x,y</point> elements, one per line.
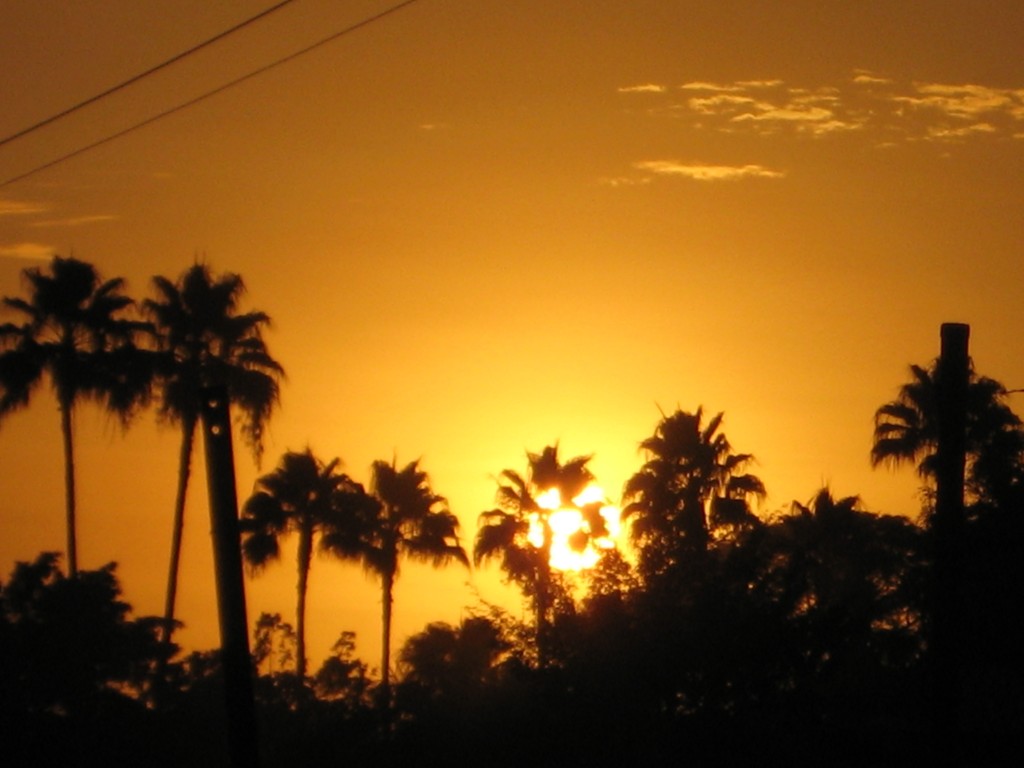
<point>202,97</point>
<point>141,75</point>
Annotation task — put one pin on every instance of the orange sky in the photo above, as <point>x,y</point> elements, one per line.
<point>481,227</point>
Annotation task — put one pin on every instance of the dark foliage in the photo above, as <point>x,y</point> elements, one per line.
<point>801,638</point>
<point>75,667</point>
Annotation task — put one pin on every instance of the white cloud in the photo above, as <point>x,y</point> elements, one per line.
<point>806,118</point>
<point>30,251</point>
<point>715,104</point>
<point>884,111</point>
<point>643,88</point>
<point>701,172</point>
<point>866,77</point>
<point>823,96</point>
<point>830,126</point>
<point>966,101</point>
<point>74,221</point>
<point>809,111</point>
<point>710,105</point>
<point>20,207</point>
<point>702,86</point>
<point>788,114</point>
<point>624,181</point>
<point>938,132</point>
<point>759,83</point>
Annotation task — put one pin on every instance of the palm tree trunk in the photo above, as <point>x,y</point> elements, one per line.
<point>696,521</point>
<point>69,485</point>
<point>188,429</point>
<point>542,599</point>
<point>304,556</point>
<point>387,585</point>
<point>541,602</point>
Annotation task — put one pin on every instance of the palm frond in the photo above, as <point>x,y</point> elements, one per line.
<point>21,370</point>
<point>196,322</point>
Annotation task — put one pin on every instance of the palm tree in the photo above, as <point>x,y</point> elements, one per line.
<point>454,662</point>
<point>907,430</point>
<point>691,479</point>
<point>852,578</point>
<point>519,533</point>
<point>74,331</point>
<point>203,340</point>
<point>408,519</point>
<point>302,496</point>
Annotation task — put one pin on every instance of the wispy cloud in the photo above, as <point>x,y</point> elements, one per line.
<point>866,106</point>
<point>788,114</point>
<point>625,181</point>
<point>866,102</point>
<point>964,101</point>
<point>31,209</point>
<point>712,105</point>
<point>74,221</point>
<point>702,172</point>
<point>771,105</point>
<point>759,83</point>
<point>28,251</point>
<point>700,85</point>
<point>643,88</point>
<point>804,117</point>
<point>959,133</point>
<point>867,77</point>
<point>20,207</point>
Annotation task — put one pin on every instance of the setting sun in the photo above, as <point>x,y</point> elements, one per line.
<point>580,532</point>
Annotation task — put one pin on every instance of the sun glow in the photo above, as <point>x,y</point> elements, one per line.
<point>579,532</point>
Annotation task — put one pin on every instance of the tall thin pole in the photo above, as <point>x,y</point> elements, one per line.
<point>948,529</point>
<point>234,627</point>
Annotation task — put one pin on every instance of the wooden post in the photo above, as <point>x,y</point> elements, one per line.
<point>948,530</point>
<point>227,552</point>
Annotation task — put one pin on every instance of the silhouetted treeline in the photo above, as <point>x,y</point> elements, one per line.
<point>726,637</point>
<point>90,341</point>
<point>800,639</point>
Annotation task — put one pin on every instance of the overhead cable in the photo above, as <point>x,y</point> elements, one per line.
<point>202,97</point>
<point>141,75</point>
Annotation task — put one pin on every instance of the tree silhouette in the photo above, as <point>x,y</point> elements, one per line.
<point>75,331</point>
<point>342,676</point>
<point>302,496</point>
<point>519,532</point>
<point>453,662</point>
<point>691,482</point>
<point>838,591</point>
<point>408,519</point>
<point>977,574</point>
<point>907,430</point>
<point>70,644</point>
<point>274,643</point>
<point>203,340</point>
<point>859,573</point>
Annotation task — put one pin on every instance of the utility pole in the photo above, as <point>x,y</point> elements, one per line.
<point>227,554</point>
<point>948,532</point>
